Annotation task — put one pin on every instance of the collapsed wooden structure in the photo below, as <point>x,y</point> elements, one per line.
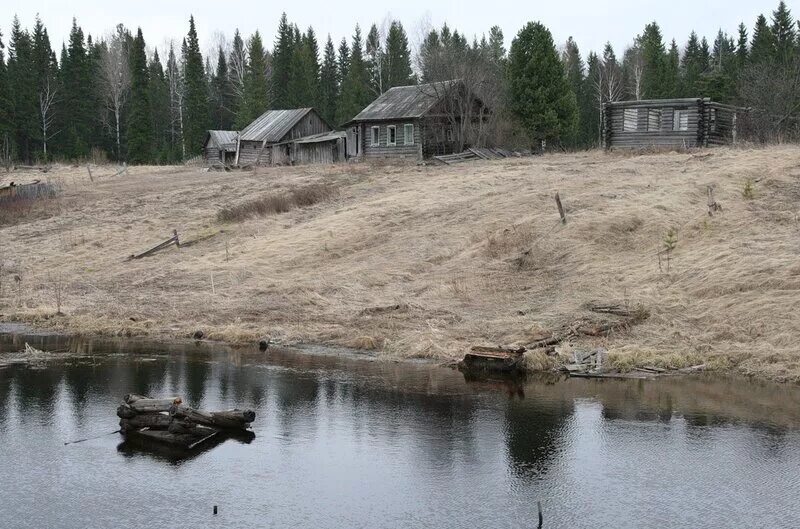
<point>670,123</point>
<point>169,422</point>
<point>271,138</point>
<point>219,147</point>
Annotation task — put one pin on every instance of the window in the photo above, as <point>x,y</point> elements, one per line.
<point>680,119</point>
<point>408,134</point>
<point>630,119</point>
<point>376,137</point>
<point>653,120</point>
<point>391,135</point>
<point>712,117</point>
<point>449,134</point>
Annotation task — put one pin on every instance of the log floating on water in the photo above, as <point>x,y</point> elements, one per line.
<point>229,419</point>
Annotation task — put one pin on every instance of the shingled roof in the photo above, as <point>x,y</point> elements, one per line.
<point>405,102</point>
<point>272,125</point>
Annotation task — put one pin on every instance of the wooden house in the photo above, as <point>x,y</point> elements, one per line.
<point>269,139</point>
<point>412,122</point>
<point>668,123</point>
<point>219,146</point>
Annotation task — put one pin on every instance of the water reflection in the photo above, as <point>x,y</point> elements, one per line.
<point>343,442</point>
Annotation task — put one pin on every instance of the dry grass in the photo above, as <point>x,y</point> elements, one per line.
<point>277,203</point>
<point>470,254</point>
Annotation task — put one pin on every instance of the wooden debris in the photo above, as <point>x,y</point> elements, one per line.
<point>167,421</point>
<point>502,359</point>
<point>476,153</point>
<point>166,244</point>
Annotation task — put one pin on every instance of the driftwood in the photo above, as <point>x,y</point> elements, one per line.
<point>142,405</point>
<point>229,419</point>
<point>169,242</point>
<point>157,421</point>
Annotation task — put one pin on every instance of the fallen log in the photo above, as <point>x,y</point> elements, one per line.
<point>156,421</point>
<point>182,426</point>
<point>160,246</point>
<point>229,419</point>
<point>154,405</point>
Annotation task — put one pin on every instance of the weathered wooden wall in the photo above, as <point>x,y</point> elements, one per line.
<point>249,153</point>
<point>332,151</point>
<point>310,124</point>
<point>384,150</point>
<point>212,154</point>
<point>709,123</point>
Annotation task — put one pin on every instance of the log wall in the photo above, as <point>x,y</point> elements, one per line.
<point>708,123</point>
<point>383,149</point>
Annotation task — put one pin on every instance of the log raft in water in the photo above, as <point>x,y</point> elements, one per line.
<point>155,421</point>
<point>144,405</point>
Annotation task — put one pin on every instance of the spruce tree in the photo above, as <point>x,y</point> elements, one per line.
<point>784,34</point>
<point>573,67</point>
<point>373,60</point>
<point>692,66</point>
<point>540,96</point>
<point>5,116</point>
<point>397,61</point>
<point>256,88</point>
<point>282,64</point>
<point>196,115</point>
<point>140,134</point>
<point>497,51</point>
<point>22,85</point>
<point>355,93</point>
<point>237,68</point>
<point>763,49</point>
<point>654,81</point>
<point>742,52</point>
<point>329,84</point>
<point>160,109</point>
<point>343,64</point>
<point>221,94</point>
<point>672,78</point>
<point>77,112</point>
<point>592,99</point>
<point>304,81</point>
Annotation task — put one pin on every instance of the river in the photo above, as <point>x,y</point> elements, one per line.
<point>344,441</point>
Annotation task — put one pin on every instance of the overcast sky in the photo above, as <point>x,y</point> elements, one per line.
<point>590,22</point>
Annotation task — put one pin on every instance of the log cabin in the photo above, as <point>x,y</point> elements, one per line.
<point>414,122</point>
<point>670,123</point>
<point>219,146</point>
<point>269,139</point>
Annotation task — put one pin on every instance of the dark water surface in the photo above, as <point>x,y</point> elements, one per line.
<point>343,442</point>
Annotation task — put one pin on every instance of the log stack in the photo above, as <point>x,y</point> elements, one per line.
<point>169,421</point>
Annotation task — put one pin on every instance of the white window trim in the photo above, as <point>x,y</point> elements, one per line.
<point>678,115</point>
<point>405,134</point>
<point>375,136</point>
<point>388,136</point>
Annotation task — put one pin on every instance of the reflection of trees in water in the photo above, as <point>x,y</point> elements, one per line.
<point>535,433</point>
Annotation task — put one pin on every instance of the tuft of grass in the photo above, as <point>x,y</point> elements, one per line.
<point>275,204</point>
<point>749,189</point>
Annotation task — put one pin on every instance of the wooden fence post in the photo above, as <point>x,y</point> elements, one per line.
<point>561,209</point>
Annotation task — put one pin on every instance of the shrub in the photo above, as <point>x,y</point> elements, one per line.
<point>275,204</point>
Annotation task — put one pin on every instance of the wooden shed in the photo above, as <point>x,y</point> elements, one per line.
<point>219,146</point>
<point>685,123</point>
<point>273,128</point>
<point>411,122</point>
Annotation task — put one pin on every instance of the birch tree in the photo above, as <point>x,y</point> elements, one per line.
<point>115,78</point>
<point>177,93</point>
<point>47,98</point>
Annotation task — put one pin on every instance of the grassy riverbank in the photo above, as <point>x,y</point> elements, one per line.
<point>427,261</point>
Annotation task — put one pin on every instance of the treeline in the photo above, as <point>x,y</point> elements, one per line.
<point>116,97</point>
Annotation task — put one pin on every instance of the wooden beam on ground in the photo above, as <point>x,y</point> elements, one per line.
<point>561,211</point>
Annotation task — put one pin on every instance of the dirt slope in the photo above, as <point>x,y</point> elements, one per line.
<point>426,261</point>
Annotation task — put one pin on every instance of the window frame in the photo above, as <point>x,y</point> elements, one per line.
<point>375,136</point>
<point>626,119</point>
<point>678,115</point>
<point>657,115</point>
<point>389,141</point>
<point>406,126</point>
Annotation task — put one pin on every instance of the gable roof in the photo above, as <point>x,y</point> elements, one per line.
<point>403,102</point>
<point>272,125</point>
<point>222,139</point>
